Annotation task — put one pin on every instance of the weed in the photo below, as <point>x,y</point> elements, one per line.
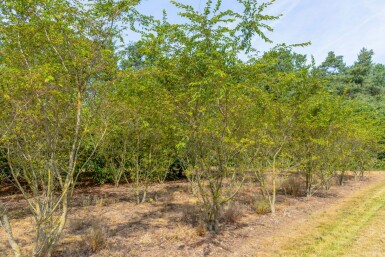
<point>292,186</point>
<point>79,224</point>
<point>191,215</point>
<point>232,213</point>
<point>262,207</point>
<point>96,236</point>
<point>201,229</point>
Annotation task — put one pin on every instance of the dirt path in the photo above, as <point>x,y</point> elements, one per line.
<point>355,227</point>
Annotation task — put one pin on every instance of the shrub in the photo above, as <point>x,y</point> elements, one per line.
<point>96,236</point>
<point>292,186</point>
<point>201,229</point>
<point>262,207</point>
<point>232,213</point>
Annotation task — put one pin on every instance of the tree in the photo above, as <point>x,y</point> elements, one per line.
<point>143,125</point>
<point>377,80</point>
<point>333,64</point>
<point>271,117</point>
<point>362,67</point>
<point>57,56</point>
<point>200,66</point>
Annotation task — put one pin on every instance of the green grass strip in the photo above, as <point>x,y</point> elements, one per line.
<point>337,232</point>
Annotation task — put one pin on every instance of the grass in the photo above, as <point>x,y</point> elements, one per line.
<point>338,232</point>
<point>371,241</point>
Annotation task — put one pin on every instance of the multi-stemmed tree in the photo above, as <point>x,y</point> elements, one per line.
<point>56,58</point>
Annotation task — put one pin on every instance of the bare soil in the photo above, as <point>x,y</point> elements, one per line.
<point>106,221</point>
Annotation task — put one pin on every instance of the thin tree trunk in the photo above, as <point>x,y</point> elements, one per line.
<point>273,198</point>
<point>309,183</point>
<point>8,230</point>
<point>341,178</point>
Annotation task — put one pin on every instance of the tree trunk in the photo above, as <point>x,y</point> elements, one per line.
<point>309,184</point>
<point>341,178</point>
<point>144,196</point>
<point>7,228</point>
<point>273,197</point>
<point>213,217</point>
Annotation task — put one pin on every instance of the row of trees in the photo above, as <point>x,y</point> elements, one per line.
<point>180,98</point>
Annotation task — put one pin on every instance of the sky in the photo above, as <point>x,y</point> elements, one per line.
<point>342,26</point>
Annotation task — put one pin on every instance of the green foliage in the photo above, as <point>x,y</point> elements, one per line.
<point>179,97</point>
<point>362,67</point>
<point>57,60</point>
<point>333,64</point>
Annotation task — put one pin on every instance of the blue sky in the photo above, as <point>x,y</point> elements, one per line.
<point>342,26</point>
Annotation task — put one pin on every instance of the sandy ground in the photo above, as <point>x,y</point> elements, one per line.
<point>106,221</point>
